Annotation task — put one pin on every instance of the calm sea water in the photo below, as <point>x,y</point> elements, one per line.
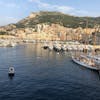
<point>44,75</point>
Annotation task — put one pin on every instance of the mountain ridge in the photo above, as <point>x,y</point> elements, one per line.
<point>63,19</point>
<point>57,18</point>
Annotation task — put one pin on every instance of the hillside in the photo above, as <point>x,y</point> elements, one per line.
<point>57,18</point>
<point>53,26</point>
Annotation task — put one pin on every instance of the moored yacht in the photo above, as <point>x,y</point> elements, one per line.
<point>86,62</point>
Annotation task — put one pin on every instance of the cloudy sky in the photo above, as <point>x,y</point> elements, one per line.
<point>12,11</point>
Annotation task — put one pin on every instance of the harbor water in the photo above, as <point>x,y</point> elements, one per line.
<point>45,75</point>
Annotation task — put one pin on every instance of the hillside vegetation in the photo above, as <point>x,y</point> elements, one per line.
<point>58,18</point>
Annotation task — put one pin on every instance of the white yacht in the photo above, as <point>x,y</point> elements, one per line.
<point>86,62</point>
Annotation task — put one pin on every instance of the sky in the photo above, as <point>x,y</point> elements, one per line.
<point>12,11</point>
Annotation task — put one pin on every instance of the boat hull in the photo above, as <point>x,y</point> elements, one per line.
<point>84,65</point>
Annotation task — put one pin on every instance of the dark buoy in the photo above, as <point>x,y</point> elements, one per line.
<point>11,71</point>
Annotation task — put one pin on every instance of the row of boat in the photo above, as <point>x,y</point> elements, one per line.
<point>67,47</point>
<point>6,43</point>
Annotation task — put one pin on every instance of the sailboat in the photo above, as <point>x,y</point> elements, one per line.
<point>86,61</point>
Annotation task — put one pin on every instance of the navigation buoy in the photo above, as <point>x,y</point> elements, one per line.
<point>11,71</point>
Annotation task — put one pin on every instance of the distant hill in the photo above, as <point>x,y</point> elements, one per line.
<point>57,18</point>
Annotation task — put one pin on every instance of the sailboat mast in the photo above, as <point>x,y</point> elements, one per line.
<point>94,40</point>
<point>85,49</point>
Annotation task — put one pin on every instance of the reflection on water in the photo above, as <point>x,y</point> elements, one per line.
<point>45,75</point>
